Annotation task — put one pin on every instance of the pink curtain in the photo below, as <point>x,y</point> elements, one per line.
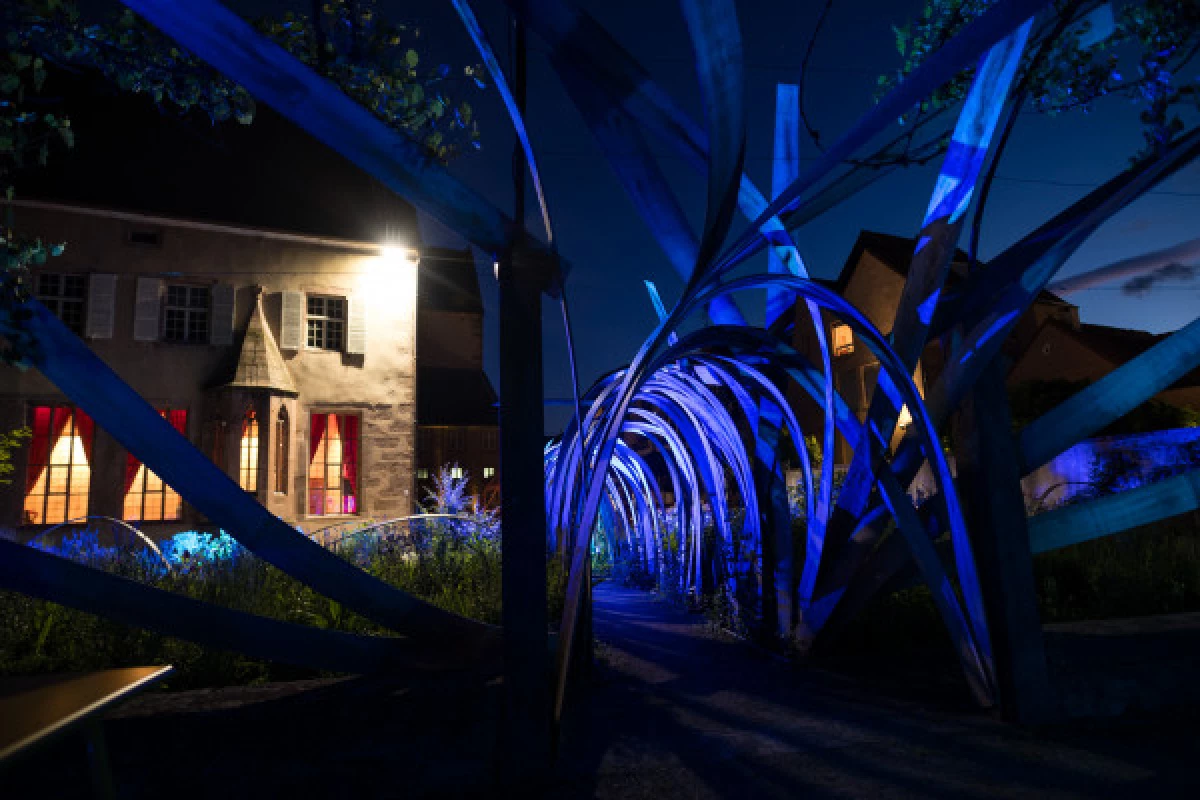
<point>350,464</point>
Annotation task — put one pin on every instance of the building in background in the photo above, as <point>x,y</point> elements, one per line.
<point>457,415</point>
<point>1048,343</point>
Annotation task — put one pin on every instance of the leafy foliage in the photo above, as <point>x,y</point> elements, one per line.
<point>1032,399</point>
<point>8,443</point>
<point>1159,38</point>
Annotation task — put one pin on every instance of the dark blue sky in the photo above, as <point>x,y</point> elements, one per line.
<point>1049,163</point>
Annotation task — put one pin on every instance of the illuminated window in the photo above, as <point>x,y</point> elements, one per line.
<point>456,472</point>
<point>59,473</point>
<point>326,322</point>
<point>248,463</point>
<point>64,296</point>
<point>147,497</point>
<point>422,474</point>
<point>333,464</point>
<point>185,315</point>
<point>843,340</point>
<point>489,472</point>
<point>282,448</point>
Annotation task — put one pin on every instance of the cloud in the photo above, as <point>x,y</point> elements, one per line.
<point>1143,283</point>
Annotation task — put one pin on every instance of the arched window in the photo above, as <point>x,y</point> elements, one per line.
<point>282,450</point>
<point>248,464</point>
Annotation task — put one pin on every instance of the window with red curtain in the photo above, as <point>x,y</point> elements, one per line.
<point>333,464</point>
<point>147,497</point>
<point>59,472</point>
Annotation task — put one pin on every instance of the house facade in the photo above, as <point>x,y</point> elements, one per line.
<point>290,360</point>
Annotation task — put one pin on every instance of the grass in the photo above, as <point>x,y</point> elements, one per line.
<point>458,573</point>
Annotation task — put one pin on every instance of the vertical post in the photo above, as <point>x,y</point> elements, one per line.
<point>526,726</point>
<point>990,479</point>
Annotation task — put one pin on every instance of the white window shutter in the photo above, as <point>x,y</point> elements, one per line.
<point>356,327</point>
<point>291,326</point>
<point>146,309</point>
<point>221,331</point>
<point>101,303</point>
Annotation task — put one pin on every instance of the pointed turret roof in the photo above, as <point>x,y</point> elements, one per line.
<point>260,364</point>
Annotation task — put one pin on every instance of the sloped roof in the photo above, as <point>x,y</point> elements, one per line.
<point>260,364</point>
<point>896,253</point>
<point>448,396</point>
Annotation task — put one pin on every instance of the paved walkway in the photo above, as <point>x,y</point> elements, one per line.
<point>678,712</point>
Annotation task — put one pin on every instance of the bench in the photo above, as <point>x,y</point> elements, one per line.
<point>38,709</point>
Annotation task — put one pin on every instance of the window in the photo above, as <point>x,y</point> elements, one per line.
<point>422,474</point>
<point>454,439</point>
<point>333,464</point>
<point>147,497</point>
<point>456,473</point>
<point>185,318</point>
<point>282,447</point>
<point>491,440</point>
<point>326,323</point>
<point>64,296</point>
<point>843,339</point>
<point>489,472</point>
<point>248,461</point>
<point>59,473</point>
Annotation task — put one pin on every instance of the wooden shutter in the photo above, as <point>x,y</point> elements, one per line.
<point>291,326</point>
<point>221,332</point>
<point>356,326</point>
<point>101,302</point>
<point>146,309</point>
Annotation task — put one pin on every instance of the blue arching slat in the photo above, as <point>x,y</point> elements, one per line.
<point>785,168</point>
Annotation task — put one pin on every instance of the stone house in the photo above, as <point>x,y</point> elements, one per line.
<point>289,359</point>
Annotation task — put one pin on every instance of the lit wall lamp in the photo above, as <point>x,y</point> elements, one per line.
<point>394,269</point>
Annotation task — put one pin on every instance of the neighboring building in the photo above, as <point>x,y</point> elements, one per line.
<point>457,415</point>
<point>289,360</point>
<point>1047,343</point>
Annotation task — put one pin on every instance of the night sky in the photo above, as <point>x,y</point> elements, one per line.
<point>1050,162</point>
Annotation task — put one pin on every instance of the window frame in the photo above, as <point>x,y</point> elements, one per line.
<point>282,450</point>
<point>248,462</point>
<point>164,489</point>
<point>308,466</point>
<point>48,465</point>
<point>56,302</point>
<point>326,321</point>
<point>188,311</point>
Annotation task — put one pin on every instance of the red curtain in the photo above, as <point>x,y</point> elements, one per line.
<point>319,421</point>
<point>178,419</point>
<point>39,447</point>
<point>350,463</point>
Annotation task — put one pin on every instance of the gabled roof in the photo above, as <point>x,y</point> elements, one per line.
<point>260,364</point>
<point>896,253</point>
<point>447,396</point>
